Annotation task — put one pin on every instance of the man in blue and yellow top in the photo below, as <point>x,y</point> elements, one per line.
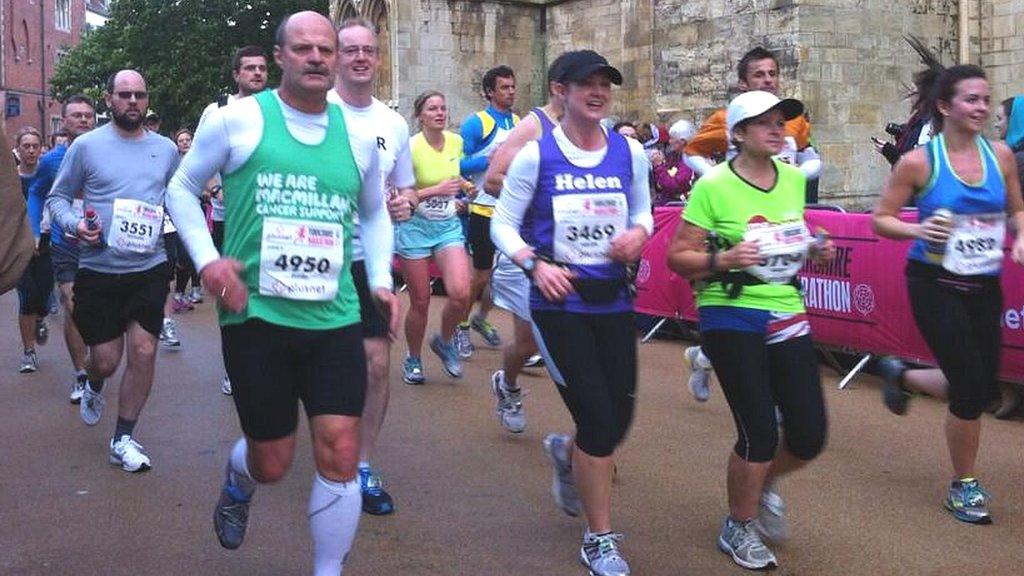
<point>482,134</point>
<point>295,177</point>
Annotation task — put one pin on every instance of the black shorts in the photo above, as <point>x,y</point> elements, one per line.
<point>106,303</point>
<point>35,287</point>
<point>374,323</point>
<point>218,235</point>
<point>273,367</point>
<point>64,261</point>
<point>480,242</point>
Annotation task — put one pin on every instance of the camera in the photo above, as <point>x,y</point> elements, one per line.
<point>894,129</point>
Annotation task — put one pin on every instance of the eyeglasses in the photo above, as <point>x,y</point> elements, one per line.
<point>126,95</point>
<point>351,51</point>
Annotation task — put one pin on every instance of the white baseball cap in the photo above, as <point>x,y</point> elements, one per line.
<point>756,102</point>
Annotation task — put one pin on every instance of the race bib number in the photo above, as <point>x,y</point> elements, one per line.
<point>975,244</point>
<point>437,208</point>
<point>301,260</point>
<point>585,225</point>
<point>136,226</point>
<point>783,249</point>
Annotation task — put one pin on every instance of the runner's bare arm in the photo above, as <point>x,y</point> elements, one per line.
<point>527,130</point>
<point>909,175</point>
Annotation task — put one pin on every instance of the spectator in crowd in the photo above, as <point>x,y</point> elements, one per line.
<point>627,129</point>
<point>672,177</point>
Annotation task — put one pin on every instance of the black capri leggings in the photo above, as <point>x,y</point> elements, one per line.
<point>960,322</point>
<point>596,357</point>
<point>756,377</point>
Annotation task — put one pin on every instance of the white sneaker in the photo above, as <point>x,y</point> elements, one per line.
<point>700,373</point>
<point>771,517</point>
<point>128,454</point>
<point>169,335</point>
<point>77,388</point>
<point>225,386</point>
<point>91,407</point>
<point>510,404</point>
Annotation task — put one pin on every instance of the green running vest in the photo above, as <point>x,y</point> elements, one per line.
<point>293,182</point>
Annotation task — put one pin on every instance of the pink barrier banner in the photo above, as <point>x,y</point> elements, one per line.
<point>858,301</point>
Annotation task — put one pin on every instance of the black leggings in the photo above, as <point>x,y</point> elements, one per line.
<point>756,377</point>
<point>960,322</point>
<point>596,357</point>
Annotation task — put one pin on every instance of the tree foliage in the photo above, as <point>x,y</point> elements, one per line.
<point>183,49</point>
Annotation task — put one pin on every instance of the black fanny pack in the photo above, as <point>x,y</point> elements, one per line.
<point>598,290</point>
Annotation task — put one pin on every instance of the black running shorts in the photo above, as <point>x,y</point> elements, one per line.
<point>480,242</point>
<point>106,303</point>
<point>374,323</point>
<point>273,367</point>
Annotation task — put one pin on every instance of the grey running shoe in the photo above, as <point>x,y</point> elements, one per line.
<point>42,332</point>
<point>741,541</point>
<point>91,406</point>
<point>563,486</point>
<point>968,501</point>
<point>169,335</point>
<point>77,388</point>
<point>449,357</point>
<point>600,554</point>
<point>412,371</point>
<point>771,517</point>
<point>510,404</point>
<point>486,330</point>
<point>463,345</point>
<point>535,361</point>
<point>699,374</point>
<point>29,362</point>
<point>891,370</point>
<point>127,453</point>
<point>231,515</point>
<point>225,386</point>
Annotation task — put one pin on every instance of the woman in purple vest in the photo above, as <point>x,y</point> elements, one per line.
<point>574,210</point>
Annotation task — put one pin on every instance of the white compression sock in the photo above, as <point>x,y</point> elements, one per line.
<point>240,475</point>
<point>334,509</point>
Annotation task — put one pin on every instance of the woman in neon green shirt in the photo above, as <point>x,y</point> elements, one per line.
<point>743,239</point>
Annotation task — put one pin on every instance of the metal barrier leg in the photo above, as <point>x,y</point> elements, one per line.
<point>856,369</point>
<point>651,333</point>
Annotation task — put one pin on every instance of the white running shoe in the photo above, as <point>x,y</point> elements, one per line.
<point>601,556</point>
<point>700,373</point>
<point>225,386</point>
<point>77,388</point>
<point>169,335</point>
<point>91,407</point>
<point>771,517</point>
<point>127,453</point>
<point>510,404</point>
<point>29,363</point>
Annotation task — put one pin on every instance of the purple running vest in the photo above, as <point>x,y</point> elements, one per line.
<point>539,227</point>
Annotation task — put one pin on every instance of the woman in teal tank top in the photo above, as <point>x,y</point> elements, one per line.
<point>966,189</point>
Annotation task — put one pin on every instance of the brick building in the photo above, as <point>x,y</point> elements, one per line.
<point>846,59</point>
<point>35,34</point>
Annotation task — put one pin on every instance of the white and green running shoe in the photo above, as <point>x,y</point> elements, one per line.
<point>600,554</point>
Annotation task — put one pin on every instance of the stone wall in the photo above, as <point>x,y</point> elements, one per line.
<point>448,45</point>
<point>622,31</point>
<point>1001,33</point>
<point>854,67</point>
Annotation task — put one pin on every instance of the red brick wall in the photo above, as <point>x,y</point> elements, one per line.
<point>26,46</point>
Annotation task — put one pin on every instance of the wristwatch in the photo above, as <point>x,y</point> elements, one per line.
<point>529,265</point>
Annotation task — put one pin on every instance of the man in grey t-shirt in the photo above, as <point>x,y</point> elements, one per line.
<point>122,170</point>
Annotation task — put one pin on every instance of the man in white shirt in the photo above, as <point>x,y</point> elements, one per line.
<point>358,62</point>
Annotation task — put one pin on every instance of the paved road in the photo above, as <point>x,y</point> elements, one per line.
<point>473,500</point>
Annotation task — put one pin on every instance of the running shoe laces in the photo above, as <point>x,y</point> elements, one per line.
<point>601,555</point>
<point>463,344</point>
